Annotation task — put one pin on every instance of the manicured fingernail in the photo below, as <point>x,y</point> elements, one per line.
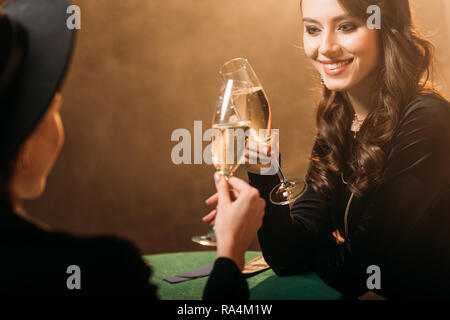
<point>217,177</point>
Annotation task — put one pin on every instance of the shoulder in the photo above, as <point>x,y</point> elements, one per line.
<point>421,141</point>
<point>427,116</point>
<point>111,267</point>
<point>23,241</point>
<point>107,243</point>
<point>39,261</point>
<point>102,253</point>
<point>428,107</point>
<point>431,100</point>
<point>19,236</point>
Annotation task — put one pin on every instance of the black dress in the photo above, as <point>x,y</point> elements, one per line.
<point>34,264</point>
<point>402,226</point>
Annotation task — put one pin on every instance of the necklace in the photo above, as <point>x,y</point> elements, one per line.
<point>356,123</point>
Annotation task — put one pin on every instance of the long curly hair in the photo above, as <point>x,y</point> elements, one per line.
<point>404,72</point>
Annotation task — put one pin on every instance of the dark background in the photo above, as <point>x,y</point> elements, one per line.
<point>142,69</point>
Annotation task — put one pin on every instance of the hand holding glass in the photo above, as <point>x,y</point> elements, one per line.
<point>228,144</point>
<point>252,106</point>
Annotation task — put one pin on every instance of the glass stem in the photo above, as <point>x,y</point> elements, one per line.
<point>280,174</point>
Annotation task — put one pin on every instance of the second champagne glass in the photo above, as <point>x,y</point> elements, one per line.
<point>228,145</point>
<point>252,105</point>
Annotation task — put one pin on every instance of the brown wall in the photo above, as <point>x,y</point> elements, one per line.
<point>143,68</point>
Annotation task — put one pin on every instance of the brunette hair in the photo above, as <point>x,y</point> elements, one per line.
<point>404,72</point>
<point>6,172</point>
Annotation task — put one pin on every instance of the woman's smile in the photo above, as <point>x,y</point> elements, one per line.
<point>335,67</point>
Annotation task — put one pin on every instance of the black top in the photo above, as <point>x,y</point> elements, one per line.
<point>34,263</point>
<point>402,226</point>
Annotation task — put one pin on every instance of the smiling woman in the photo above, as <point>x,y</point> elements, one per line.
<point>353,60</point>
<point>378,191</point>
<point>341,48</point>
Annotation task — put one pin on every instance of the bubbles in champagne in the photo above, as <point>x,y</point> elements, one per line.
<point>253,106</point>
<point>228,146</point>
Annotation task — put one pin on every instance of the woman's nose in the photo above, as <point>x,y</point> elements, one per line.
<point>329,46</point>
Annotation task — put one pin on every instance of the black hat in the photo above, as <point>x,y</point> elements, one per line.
<point>36,46</point>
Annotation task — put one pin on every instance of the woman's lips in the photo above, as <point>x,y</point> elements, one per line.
<point>336,68</point>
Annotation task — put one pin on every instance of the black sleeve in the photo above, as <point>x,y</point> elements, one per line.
<point>100,267</point>
<point>226,282</point>
<point>116,270</point>
<point>289,238</point>
<point>404,229</point>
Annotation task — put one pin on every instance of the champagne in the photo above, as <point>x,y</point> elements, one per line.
<point>228,146</point>
<point>253,107</point>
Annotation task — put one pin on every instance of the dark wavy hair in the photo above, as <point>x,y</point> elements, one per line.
<point>7,170</point>
<point>404,72</point>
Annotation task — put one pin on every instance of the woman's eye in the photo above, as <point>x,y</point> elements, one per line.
<point>347,27</point>
<point>312,30</point>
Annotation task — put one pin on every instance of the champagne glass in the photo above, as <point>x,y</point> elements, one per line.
<point>252,105</point>
<point>228,144</point>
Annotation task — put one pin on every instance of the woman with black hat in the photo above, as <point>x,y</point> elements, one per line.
<point>35,51</point>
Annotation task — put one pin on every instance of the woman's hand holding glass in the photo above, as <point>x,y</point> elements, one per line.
<point>261,157</point>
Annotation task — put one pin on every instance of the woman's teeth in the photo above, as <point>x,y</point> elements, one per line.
<point>338,65</point>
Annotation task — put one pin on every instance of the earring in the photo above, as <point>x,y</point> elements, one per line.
<point>321,80</point>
